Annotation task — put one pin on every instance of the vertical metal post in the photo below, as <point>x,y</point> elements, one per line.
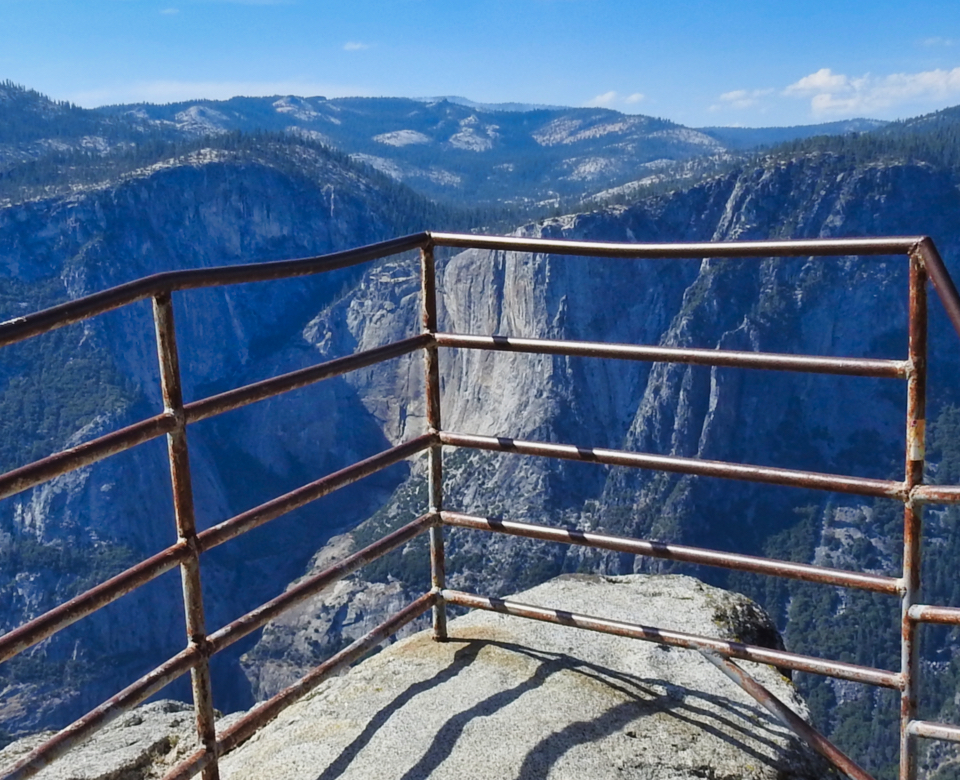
<point>912,511</point>
<point>428,311</point>
<point>186,526</point>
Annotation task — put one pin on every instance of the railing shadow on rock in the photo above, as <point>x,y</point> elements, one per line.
<point>924,263</point>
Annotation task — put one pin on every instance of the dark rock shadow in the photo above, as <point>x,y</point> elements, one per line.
<point>446,738</point>
<point>743,720</point>
<point>644,696</point>
<point>462,658</point>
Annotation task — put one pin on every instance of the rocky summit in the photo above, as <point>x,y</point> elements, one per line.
<point>508,698</point>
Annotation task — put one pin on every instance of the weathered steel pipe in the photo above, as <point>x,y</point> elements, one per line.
<point>936,494</point>
<point>252,518</point>
<point>820,247</point>
<point>763,655</point>
<point>90,601</point>
<point>183,510</point>
<point>258,391</point>
<point>93,721</point>
<point>925,613</point>
<point>930,730</point>
<point>788,717</point>
<point>942,281</point>
<point>678,552</point>
<point>266,612</point>
<point>863,486</point>
<point>20,328</point>
<point>85,454</point>
<point>912,512</point>
<point>262,714</point>
<point>894,369</point>
<point>431,373</point>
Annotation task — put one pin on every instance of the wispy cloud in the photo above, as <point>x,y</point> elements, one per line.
<point>937,42</point>
<point>833,94</point>
<point>742,98</point>
<point>177,91</point>
<point>605,100</point>
<point>824,80</point>
<point>355,46</point>
<point>836,93</point>
<point>170,11</point>
<point>614,99</point>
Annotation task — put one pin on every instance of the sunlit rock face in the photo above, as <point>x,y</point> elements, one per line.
<point>507,697</point>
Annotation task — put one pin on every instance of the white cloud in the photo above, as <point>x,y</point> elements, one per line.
<point>615,100</point>
<point>355,46</point>
<point>937,42</point>
<point>605,100</point>
<point>823,80</point>
<point>741,98</point>
<point>170,11</point>
<point>177,91</point>
<point>835,93</point>
<point>831,94</point>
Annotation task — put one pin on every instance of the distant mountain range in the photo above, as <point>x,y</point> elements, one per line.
<point>449,148</point>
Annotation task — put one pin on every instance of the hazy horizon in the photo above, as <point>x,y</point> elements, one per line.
<point>708,64</point>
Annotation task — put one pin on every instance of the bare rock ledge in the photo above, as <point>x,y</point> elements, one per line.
<point>508,698</point>
<point>512,698</point>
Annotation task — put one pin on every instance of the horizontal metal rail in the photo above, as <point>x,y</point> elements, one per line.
<point>85,454</point>
<point>252,518</point>
<point>90,601</point>
<point>931,730</point>
<point>21,328</point>
<point>259,391</point>
<point>936,494</point>
<point>894,369</point>
<point>863,486</point>
<point>827,247</point>
<point>312,585</point>
<point>924,613</point>
<point>84,728</point>
<point>49,623</point>
<point>98,449</point>
<point>818,247</point>
<point>678,552</point>
<point>787,716</point>
<point>263,713</point>
<point>728,649</point>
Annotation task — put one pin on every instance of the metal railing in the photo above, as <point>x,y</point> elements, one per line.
<point>924,263</point>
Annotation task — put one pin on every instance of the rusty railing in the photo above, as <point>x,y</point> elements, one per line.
<point>924,262</point>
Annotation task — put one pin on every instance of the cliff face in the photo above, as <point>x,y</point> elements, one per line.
<point>212,209</point>
<point>837,307</point>
<point>833,307</point>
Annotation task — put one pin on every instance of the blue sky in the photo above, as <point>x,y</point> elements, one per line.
<point>738,62</point>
